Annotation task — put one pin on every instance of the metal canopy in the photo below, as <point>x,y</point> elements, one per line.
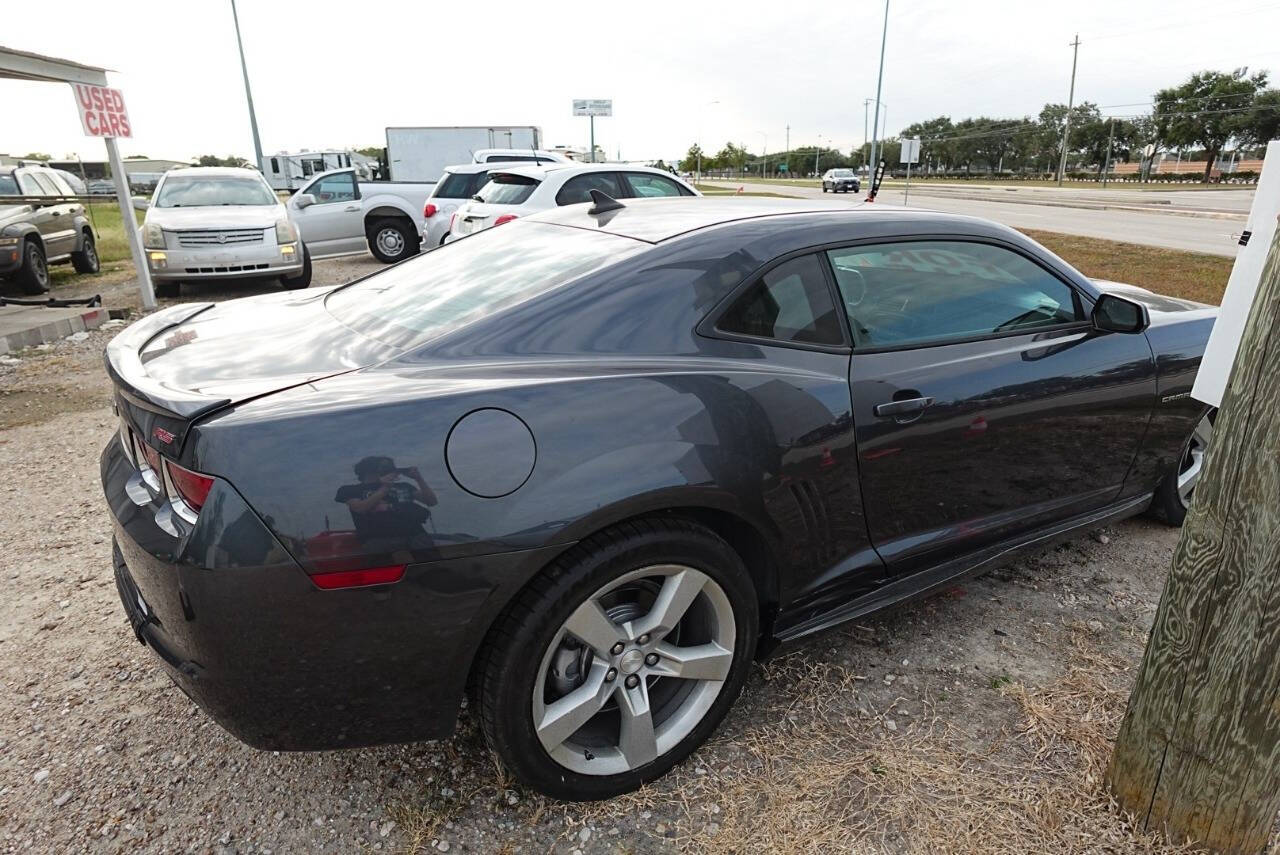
<point>24,65</point>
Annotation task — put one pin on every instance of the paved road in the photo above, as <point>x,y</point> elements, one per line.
<point>1215,235</point>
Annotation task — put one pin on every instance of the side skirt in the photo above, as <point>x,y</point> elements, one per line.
<point>925,582</point>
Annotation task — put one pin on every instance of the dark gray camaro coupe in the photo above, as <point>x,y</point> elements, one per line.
<point>591,463</point>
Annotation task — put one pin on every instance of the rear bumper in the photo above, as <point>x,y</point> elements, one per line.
<point>280,663</point>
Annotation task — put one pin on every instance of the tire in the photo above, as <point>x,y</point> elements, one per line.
<point>824,188</point>
<point>169,289</point>
<point>303,279</point>
<point>85,260</point>
<point>1173,497</point>
<point>392,240</point>
<point>33,276</point>
<point>616,576</point>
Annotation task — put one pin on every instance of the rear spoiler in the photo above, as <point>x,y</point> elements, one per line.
<point>124,366</point>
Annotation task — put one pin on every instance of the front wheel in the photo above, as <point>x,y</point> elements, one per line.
<point>301,279</point>
<point>642,638</point>
<point>33,276</point>
<point>1173,497</point>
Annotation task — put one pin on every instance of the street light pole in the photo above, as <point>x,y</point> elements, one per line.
<point>248,93</point>
<point>817,153</point>
<point>764,162</point>
<point>875,128</point>
<point>866,140</point>
<point>1106,163</point>
<point>1071,99</point>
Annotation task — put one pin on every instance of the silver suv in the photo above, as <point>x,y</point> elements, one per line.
<point>41,226</point>
<point>840,181</point>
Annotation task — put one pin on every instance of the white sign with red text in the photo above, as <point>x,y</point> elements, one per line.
<point>102,111</point>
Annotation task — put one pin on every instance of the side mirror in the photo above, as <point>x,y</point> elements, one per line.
<point>1116,314</point>
<point>140,204</point>
<point>303,200</point>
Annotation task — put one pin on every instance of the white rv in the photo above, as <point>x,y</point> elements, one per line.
<point>285,171</point>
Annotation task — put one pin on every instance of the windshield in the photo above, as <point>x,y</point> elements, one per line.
<point>194,191</point>
<point>842,173</point>
<point>8,187</point>
<point>504,189</point>
<point>468,279</point>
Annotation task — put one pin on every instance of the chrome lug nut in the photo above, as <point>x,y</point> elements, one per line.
<point>644,639</point>
<point>633,681</point>
<point>651,659</point>
<point>618,648</point>
<point>611,675</point>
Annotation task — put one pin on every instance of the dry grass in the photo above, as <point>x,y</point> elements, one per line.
<point>827,775</point>
<point>1190,275</point>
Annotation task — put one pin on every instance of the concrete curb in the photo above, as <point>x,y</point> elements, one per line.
<point>1098,206</point>
<point>28,326</point>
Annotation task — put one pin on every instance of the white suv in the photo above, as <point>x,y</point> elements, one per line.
<point>522,190</point>
<point>217,222</point>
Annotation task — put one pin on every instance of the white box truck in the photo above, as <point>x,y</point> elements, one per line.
<point>421,154</point>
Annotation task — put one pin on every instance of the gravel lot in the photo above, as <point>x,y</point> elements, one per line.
<point>977,719</point>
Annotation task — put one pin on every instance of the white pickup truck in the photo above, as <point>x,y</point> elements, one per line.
<point>337,214</point>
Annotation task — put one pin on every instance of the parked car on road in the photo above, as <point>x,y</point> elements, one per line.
<point>338,214</point>
<point>840,181</point>
<point>458,186</point>
<point>219,222</point>
<point>42,228</point>
<point>519,191</point>
<point>592,463</point>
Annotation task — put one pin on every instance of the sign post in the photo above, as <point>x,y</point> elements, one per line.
<point>910,154</point>
<point>103,114</point>
<point>1242,286</point>
<point>593,107</point>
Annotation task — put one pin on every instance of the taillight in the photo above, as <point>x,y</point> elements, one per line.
<point>429,210</point>
<point>359,578</point>
<point>152,457</point>
<point>191,486</point>
<point>505,218</point>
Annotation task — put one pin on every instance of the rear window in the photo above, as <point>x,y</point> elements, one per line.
<point>461,185</point>
<point>460,282</point>
<point>504,189</point>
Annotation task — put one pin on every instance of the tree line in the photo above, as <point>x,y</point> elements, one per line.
<point>1209,113</point>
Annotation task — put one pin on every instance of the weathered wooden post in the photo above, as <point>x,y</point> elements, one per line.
<point>1198,754</point>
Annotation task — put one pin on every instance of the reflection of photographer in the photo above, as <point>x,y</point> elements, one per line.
<point>388,512</point>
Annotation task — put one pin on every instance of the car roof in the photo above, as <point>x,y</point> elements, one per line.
<point>495,166</point>
<point>213,170</point>
<point>541,171</point>
<point>656,220</point>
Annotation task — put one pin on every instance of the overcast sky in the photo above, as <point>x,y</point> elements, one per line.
<point>335,74</point>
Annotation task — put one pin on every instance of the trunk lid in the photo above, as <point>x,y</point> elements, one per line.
<point>183,363</point>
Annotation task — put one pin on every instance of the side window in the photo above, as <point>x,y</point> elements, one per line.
<point>789,303</point>
<point>29,185</point>
<point>645,185</point>
<point>46,184</point>
<point>928,292</point>
<point>275,165</point>
<point>335,188</point>
<point>578,189</point>
<point>60,185</point>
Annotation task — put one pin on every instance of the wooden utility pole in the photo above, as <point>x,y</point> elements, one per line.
<point>1071,101</point>
<point>1198,754</point>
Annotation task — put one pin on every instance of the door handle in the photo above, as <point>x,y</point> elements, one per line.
<point>898,408</point>
<point>351,208</point>
<point>56,213</point>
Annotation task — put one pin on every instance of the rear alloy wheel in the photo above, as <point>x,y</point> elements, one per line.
<point>85,260</point>
<point>644,638</point>
<point>391,241</point>
<point>1173,497</point>
<point>33,276</point>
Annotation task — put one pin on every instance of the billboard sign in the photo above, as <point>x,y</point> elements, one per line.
<point>593,106</point>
